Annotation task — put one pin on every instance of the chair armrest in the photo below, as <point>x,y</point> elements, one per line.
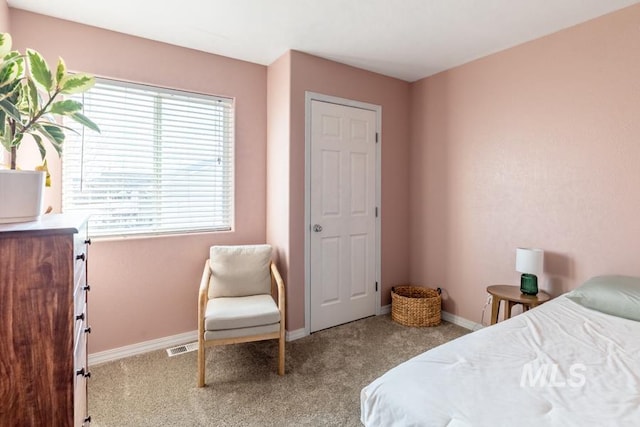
<point>203,296</point>
<point>275,274</point>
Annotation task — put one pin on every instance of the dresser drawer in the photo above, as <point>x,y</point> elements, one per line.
<point>80,348</point>
<point>80,403</point>
<point>80,296</point>
<point>80,273</point>
<point>80,243</point>
<point>80,323</point>
<point>80,240</point>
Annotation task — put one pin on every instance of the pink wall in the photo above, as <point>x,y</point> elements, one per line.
<point>535,146</point>
<point>310,73</point>
<point>4,17</point>
<point>278,179</point>
<point>146,288</point>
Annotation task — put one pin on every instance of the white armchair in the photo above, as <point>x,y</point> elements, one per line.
<point>235,302</point>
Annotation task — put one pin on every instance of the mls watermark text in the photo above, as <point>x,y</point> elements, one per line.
<point>550,375</point>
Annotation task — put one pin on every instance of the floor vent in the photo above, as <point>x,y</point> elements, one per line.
<point>181,349</point>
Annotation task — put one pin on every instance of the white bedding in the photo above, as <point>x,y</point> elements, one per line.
<point>477,380</point>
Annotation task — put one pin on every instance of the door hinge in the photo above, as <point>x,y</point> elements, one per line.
<point>376,212</point>
<point>376,137</point>
<point>376,286</point>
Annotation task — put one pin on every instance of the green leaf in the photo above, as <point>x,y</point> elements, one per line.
<point>66,107</point>
<point>61,71</point>
<point>11,68</point>
<point>50,120</point>
<point>10,109</point>
<point>85,121</point>
<point>11,91</point>
<point>17,139</point>
<point>40,70</point>
<point>5,43</point>
<point>6,136</point>
<point>33,97</point>
<point>41,147</point>
<point>6,141</point>
<point>53,133</point>
<point>76,83</point>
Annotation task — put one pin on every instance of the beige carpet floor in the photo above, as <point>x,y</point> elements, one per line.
<point>325,373</point>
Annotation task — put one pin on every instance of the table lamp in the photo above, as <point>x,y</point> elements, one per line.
<point>529,262</point>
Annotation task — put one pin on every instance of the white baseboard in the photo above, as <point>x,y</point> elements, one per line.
<point>161,344</point>
<point>295,334</point>
<point>142,347</point>
<point>385,309</point>
<point>461,321</point>
<point>448,317</point>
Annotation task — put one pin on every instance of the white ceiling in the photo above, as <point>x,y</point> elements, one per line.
<point>407,39</point>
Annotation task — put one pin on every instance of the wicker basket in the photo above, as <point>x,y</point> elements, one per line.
<point>415,306</point>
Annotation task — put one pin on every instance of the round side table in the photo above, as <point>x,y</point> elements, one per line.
<point>511,296</point>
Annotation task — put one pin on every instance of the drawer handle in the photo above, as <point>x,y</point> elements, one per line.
<point>86,288</point>
<point>84,373</point>
<point>87,330</point>
<point>87,242</point>
<point>80,316</point>
<point>81,256</point>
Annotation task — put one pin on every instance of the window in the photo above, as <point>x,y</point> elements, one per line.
<point>163,162</point>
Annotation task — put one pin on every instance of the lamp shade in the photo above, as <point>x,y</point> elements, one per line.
<point>529,260</point>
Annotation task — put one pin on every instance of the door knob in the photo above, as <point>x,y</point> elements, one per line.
<point>317,228</point>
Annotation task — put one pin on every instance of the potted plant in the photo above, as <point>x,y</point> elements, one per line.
<point>30,110</point>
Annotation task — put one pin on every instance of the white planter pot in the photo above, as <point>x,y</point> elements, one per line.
<point>21,195</point>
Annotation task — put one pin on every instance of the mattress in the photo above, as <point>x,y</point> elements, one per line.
<point>559,364</point>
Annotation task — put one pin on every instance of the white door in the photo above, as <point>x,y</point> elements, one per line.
<point>342,214</point>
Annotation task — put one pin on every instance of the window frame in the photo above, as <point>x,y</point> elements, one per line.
<point>229,121</point>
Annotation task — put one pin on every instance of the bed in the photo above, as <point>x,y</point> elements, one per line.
<point>574,361</point>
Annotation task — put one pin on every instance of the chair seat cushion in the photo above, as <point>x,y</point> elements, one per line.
<point>240,312</point>
<point>242,332</point>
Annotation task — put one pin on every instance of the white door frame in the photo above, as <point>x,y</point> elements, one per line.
<point>313,96</point>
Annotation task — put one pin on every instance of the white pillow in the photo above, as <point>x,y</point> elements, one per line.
<point>239,270</point>
<point>615,295</point>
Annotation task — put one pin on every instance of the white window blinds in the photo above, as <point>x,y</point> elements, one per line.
<point>163,162</point>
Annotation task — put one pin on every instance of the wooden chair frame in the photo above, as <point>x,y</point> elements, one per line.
<point>277,284</point>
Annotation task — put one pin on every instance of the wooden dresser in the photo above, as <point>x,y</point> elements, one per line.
<point>43,322</point>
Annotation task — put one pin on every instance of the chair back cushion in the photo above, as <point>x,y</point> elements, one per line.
<point>238,271</point>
